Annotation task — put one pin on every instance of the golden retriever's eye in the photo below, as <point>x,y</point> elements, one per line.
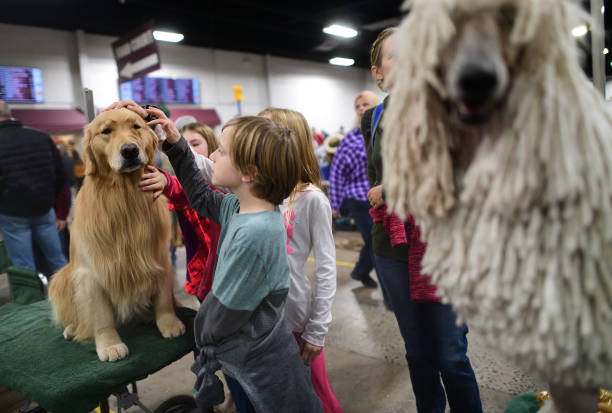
<point>136,126</point>
<point>106,131</point>
<point>507,14</point>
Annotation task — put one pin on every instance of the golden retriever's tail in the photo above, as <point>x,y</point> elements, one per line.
<point>61,295</point>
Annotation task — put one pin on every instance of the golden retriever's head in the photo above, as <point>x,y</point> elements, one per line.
<point>118,141</point>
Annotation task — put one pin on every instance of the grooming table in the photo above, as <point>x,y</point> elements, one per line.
<point>64,376</point>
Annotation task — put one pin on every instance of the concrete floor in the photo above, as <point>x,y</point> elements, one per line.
<point>364,353</point>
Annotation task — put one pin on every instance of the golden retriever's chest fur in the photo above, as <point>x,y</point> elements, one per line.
<point>124,226</point>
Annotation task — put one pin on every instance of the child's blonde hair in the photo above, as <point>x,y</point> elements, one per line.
<point>269,151</point>
<point>309,166</point>
<point>207,133</point>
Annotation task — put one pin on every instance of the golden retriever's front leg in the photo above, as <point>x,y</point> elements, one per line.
<point>167,322</point>
<point>98,311</point>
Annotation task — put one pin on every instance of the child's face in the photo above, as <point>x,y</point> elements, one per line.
<point>197,142</point>
<point>224,173</point>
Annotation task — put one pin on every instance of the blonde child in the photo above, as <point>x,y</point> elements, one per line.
<point>308,220</point>
<point>239,327</point>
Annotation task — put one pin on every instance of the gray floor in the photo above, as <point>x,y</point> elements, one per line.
<point>364,355</point>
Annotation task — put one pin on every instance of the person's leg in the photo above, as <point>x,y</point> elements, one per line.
<point>450,344</point>
<point>359,211</point>
<point>322,386</point>
<point>17,235</point>
<point>424,374</point>
<point>241,400</point>
<point>364,224</point>
<point>47,238</point>
<point>425,379</point>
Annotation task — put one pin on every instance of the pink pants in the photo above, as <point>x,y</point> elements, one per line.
<point>321,385</point>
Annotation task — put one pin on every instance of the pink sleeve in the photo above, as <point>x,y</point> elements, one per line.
<point>174,191</point>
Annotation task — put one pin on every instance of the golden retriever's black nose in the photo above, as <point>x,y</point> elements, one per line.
<point>129,151</point>
<point>477,83</point>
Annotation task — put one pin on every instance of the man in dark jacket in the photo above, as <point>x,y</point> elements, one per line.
<point>31,177</point>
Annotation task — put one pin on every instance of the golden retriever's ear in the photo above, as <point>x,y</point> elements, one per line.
<point>91,165</point>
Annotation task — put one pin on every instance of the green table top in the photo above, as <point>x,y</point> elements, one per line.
<point>64,376</point>
<point>523,403</point>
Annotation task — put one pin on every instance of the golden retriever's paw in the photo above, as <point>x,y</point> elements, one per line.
<point>69,332</point>
<point>112,353</point>
<point>170,326</point>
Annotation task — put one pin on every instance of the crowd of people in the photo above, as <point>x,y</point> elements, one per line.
<point>251,212</point>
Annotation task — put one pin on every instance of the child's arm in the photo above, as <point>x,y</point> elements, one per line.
<point>172,188</point>
<point>324,251</point>
<point>201,197</point>
<point>205,166</point>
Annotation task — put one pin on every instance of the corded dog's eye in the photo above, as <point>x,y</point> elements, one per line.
<point>106,131</point>
<point>507,14</point>
<point>136,126</point>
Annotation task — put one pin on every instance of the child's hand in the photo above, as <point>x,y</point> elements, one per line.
<point>170,130</point>
<point>153,181</point>
<point>129,104</point>
<point>308,351</point>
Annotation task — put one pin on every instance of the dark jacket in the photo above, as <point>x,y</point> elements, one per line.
<point>380,239</point>
<point>31,171</point>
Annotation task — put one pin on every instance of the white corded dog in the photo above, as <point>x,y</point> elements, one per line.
<point>501,148</point>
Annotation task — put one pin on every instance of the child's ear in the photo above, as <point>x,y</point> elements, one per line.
<point>250,176</point>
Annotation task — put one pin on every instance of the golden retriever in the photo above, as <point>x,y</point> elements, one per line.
<point>119,267</point>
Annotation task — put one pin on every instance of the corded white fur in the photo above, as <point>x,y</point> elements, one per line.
<point>521,241</point>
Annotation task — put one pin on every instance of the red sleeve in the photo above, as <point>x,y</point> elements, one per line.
<point>174,191</point>
<point>62,204</point>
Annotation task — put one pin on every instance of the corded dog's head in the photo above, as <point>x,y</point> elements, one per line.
<point>477,67</point>
<point>468,70</point>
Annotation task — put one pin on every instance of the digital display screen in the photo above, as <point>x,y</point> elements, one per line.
<point>161,90</point>
<point>21,85</point>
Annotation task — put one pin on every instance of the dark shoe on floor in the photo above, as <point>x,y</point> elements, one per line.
<point>388,305</point>
<point>366,280</point>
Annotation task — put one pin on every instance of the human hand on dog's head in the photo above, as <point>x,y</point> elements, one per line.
<point>128,104</point>
<point>153,181</point>
<point>170,130</point>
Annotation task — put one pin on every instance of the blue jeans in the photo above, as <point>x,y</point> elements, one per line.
<point>19,232</point>
<point>435,346</point>
<point>359,211</point>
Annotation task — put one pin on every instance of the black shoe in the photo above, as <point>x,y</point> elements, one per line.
<point>366,280</point>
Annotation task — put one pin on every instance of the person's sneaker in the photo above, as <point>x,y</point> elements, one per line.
<point>366,280</point>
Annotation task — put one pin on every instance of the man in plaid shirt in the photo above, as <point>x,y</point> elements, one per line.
<point>349,186</point>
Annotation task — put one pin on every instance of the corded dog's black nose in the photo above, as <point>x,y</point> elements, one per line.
<point>129,151</point>
<point>477,83</point>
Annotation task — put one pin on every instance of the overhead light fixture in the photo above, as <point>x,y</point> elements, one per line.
<point>605,50</point>
<point>342,61</point>
<point>167,36</point>
<point>580,31</point>
<point>340,31</point>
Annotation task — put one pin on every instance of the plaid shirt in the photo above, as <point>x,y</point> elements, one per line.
<point>348,177</point>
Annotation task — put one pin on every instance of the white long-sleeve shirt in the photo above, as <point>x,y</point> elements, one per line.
<point>308,309</point>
